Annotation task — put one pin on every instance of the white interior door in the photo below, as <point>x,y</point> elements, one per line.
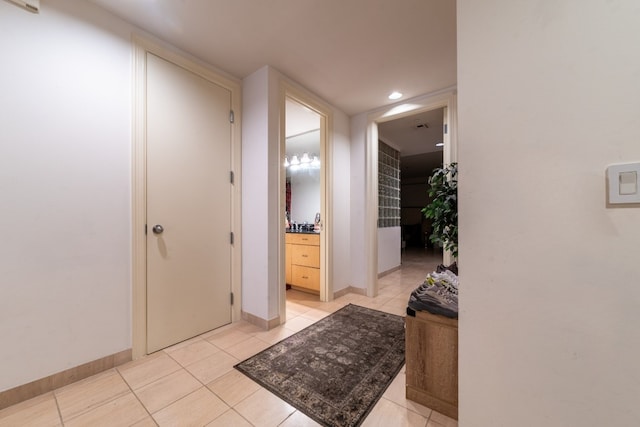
<point>188,204</point>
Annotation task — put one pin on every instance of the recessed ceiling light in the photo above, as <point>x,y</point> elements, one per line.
<point>440,144</point>
<point>395,95</point>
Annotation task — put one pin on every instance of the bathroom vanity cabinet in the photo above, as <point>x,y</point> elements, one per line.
<point>302,261</point>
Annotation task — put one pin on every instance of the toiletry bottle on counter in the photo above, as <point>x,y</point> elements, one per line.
<point>316,223</point>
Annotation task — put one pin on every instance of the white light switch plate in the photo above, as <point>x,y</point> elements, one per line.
<point>624,183</point>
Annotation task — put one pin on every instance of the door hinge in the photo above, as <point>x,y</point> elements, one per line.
<point>145,229</point>
<point>231,298</point>
<point>232,116</point>
<point>231,237</point>
<point>446,128</point>
<point>231,176</point>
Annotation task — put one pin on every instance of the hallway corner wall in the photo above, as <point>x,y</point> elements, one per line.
<point>65,160</point>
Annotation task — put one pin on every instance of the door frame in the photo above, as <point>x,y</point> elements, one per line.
<point>446,99</point>
<point>138,170</point>
<point>289,90</point>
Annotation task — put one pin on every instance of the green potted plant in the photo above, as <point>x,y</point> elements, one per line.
<point>443,208</point>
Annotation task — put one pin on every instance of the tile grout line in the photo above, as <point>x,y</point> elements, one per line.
<point>136,396</point>
<point>213,380</point>
<point>233,408</point>
<point>239,414</point>
<point>55,398</point>
<point>183,368</point>
<point>239,342</point>
<point>426,419</point>
<point>288,416</point>
<point>87,410</point>
<point>159,378</point>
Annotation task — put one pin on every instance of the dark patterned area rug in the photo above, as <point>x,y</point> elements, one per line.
<point>336,369</point>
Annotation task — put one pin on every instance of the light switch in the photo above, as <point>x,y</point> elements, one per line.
<point>624,183</point>
<point>628,182</point>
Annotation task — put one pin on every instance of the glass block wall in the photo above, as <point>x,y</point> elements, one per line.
<point>388,186</point>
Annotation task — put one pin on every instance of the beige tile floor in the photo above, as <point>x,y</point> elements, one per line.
<point>194,384</point>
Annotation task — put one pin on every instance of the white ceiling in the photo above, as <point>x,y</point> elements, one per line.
<point>416,137</point>
<point>352,53</point>
<point>299,119</point>
<point>301,123</point>
<point>415,134</point>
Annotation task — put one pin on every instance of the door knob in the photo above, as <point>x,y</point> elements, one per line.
<point>157,229</point>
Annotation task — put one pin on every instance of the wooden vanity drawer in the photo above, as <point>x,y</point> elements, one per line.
<point>303,239</point>
<point>302,263</point>
<point>308,256</point>
<point>287,264</point>
<point>306,277</point>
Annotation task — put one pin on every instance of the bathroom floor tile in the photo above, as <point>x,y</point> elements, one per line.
<point>39,411</point>
<point>315,314</point>
<point>229,419</point>
<point>298,419</point>
<point>263,409</point>
<point>275,335</point>
<point>247,348</point>
<point>89,393</point>
<point>397,392</point>
<point>387,413</point>
<point>212,367</point>
<point>233,387</point>
<point>194,351</point>
<point>298,323</point>
<point>166,390</point>
<point>126,410</point>
<point>196,409</point>
<point>148,369</point>
<point>228,338</point>
<point>442,420</point>
<point>146,422</point>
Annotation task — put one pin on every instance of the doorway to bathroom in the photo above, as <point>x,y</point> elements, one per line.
<point>303,219</point>
<point>304,205</point>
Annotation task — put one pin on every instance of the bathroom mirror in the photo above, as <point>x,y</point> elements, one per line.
<point>302,163</point>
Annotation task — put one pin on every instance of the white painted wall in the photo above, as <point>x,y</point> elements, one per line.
<point>260,209</point>
<point>65,129</point>
<point>341,202</point>
<point>389,246</point>
<point>550,295</point>
<point>359,262</point>
<point>255,192</point>
<point>261,166</point>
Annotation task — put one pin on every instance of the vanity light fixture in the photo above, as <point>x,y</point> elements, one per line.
<point>395,95</point>
<point>315,163</point>
<point>306,161</point>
